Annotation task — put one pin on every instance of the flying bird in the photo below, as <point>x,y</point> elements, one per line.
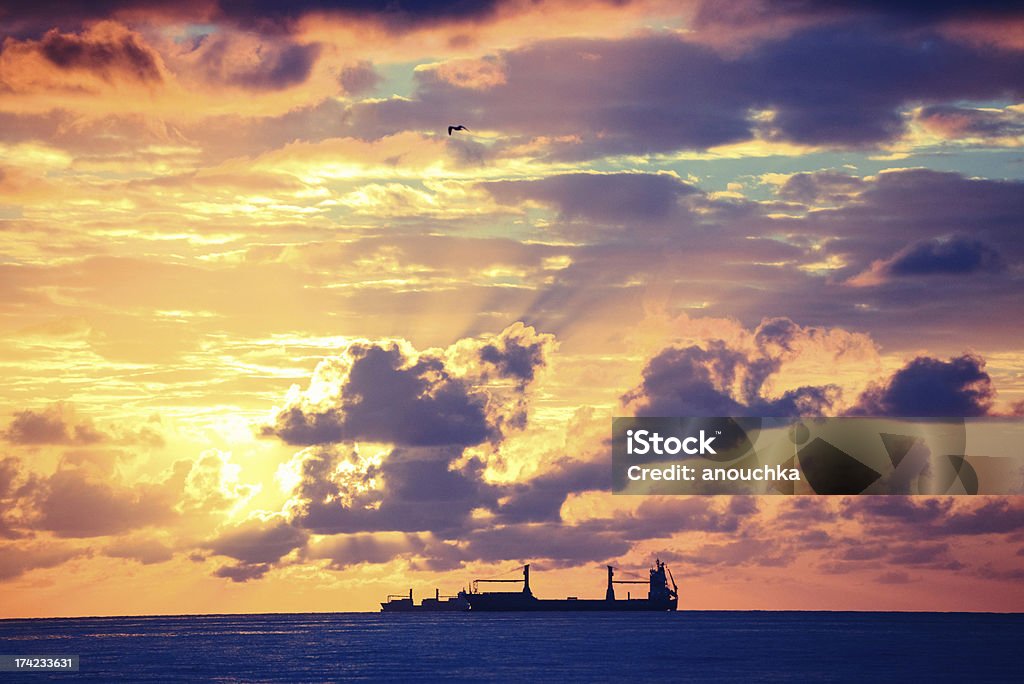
<point>460,127</point>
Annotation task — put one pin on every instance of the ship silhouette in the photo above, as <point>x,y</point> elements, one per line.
<point>660,597</point>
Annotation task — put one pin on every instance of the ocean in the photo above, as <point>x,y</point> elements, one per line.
<point>522,647</point>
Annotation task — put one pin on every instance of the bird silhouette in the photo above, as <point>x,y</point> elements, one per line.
<point>460,127</point>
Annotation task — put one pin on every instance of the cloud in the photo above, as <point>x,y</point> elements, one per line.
<point>17,559</point>
<point>890,15</point>
<point>264,15</point>
<point>386,392</point>
<point>345,550</point>
<point>716,380</point>
<point>85,497</point>
<point>598,197</point>
<point>145,551</point>
<point>123,54</point>
<point>822,187</point>
<point>256,545</point>
<point>518,352</point>
<point>51,426</point>
<point>936,517</point>
<point>103,54</point>
<point>397,15</point>
<point>389,428</point>
<point>59,424</point>
<point>738,377</point>
<point>928,387</point>
<point>74,503</point>
<point>404,490</point>
<point>540,499</point>
<point>764,552</point>
<point>957,255</point>
<point>894,577</point>
<point>258,541</point>
<point>359,78</point>
<point>560,545</point>
<point>953,122</point>
<point>658,93</point>
<point>243,572</point>
<point>254,63</point>
<point>14,491</point>
<point>386,396</point>
<point>749,260</point>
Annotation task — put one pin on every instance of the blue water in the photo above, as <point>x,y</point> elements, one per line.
<point>597,647</point>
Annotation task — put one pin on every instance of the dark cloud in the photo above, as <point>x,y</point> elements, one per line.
<point>952,121</point>
<point>994,516</point>
<point>601,198</point>
<point>72,503</point>
<point>15,489</point>
<point>9,469</point>
<point>894,577</point>
<point>412,490</point>
<point>397,14</point>
<point>387,398</point>
<point>264,15</point>
<point>828,187</point>
<point>243,572</point>
<point>853,554</point>
<point>959,254</point>
<point>517,353</point>
<point>928,387</point>
<point>540,499</point>
<point>935,517</point>
<point>918,553</point>
<point>345,550</point>
<point>49,427</point>
<point>659,517</point>
<point>17,559</point>
<point>804,511</point>
<point>717,380</point>
<point>743,260</point>
<point>106,56</point>
<point>384,394</point>
<point>359,78</point>
<point>83,498</point>
<point>897,509</point>
<point>606,97</point>
<point>892,15</point>
<point>657,93</point>
<point>694,381</point>
<point>58,424</point>
<point>258,541</point>
<point>257,545</point>
<point>280,65</point>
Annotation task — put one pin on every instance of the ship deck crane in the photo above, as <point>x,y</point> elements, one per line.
<point>525,581</point>
<point>609,594</point>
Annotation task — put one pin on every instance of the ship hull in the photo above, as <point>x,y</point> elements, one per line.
<point>428,606</point>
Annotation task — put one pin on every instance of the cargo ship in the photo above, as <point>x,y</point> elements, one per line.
<point>399,603</point>
<point>660,597</point>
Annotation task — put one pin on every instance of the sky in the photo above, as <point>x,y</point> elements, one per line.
<point>273,340</point>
